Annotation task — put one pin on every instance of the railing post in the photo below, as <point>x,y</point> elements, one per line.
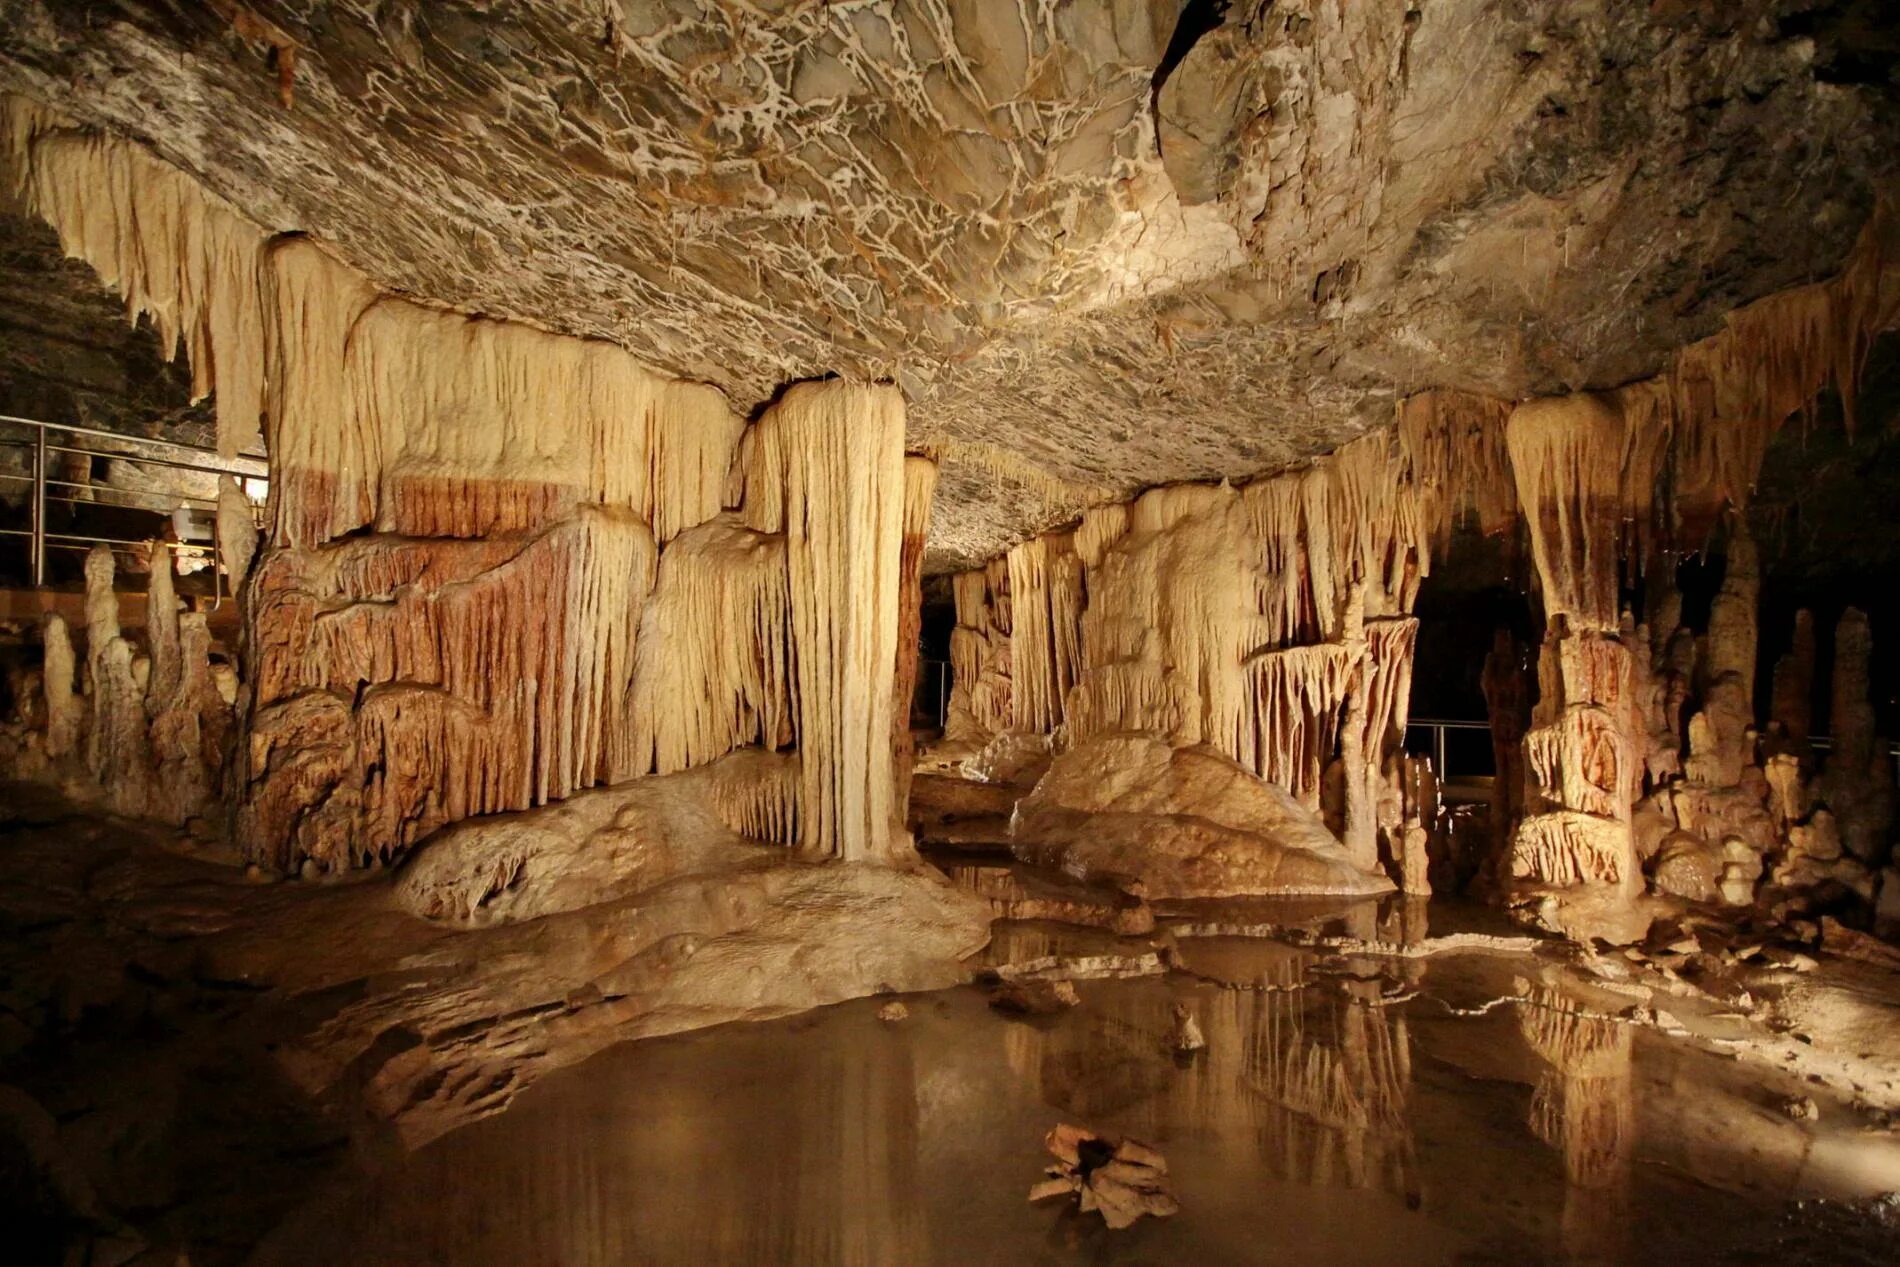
<point>38,563</point>
<point>1438,749</point>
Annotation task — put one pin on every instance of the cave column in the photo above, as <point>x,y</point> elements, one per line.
<point>1574,848</point>
<point>838,448</point>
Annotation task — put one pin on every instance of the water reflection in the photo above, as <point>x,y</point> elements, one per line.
<point>1584,1107</point>
<point>1327,1120</point>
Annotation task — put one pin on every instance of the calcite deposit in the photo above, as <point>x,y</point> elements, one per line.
<point>1162,822</point>
<point>1195,396</point>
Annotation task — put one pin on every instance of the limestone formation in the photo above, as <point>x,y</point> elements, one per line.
<point>65,710</point>
<point>1133,810</point>
<point>825,466</point>
<point>237,531</point>
<point>522,549</point>
<point>1857,782</point>
<point>1574,842</point>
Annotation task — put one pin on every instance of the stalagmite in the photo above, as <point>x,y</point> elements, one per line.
<point>1857,782</point>
<point>1418,790</point>
<point>826,468</point>
<point>1721,734</point>
<point>161,628</point>
<point>117,748</point>
<point>1506,682</point>
<point>189,727</point>
<point>65,710</point>
<point>1359,831</point>
<point>1791,704</point>
<point>237,531</point>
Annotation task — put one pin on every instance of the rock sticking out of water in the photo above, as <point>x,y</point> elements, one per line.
<point>1186,1035</point>
<point>1121,1181</point>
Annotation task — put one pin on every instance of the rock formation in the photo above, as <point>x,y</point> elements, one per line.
<point>506,563</point>
<point>1165,821</point>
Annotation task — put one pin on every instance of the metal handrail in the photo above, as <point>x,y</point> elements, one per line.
<point>134,449</point>
<point>1439,727</point>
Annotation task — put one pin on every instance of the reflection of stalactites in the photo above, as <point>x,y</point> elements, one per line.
<point>864,1176</point>
<point>1584,1107</point>
<point>1336,1106</point>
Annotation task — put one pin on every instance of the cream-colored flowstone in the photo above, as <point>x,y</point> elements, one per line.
<point>825,467</point>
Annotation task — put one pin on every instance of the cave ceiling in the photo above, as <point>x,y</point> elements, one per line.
<point>1100,244</point>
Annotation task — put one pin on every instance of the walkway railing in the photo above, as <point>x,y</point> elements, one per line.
<point>1433,735</point>
<point>44,440</point>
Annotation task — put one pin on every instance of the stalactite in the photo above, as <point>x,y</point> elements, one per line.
<point>920,488</point>
<point>1710,417</point>
<point>826,467</point>
<point>482,426</point>
<point>1046,602</point>
<point>320,454</point>
<point>755,793</point>
<point>178,254</point>
<point>407,683</point>
<point>1297,693</point>
<point>980,690</point>
<point>1567,459</point>
<point>1454,443</point>
<point>713,661</point>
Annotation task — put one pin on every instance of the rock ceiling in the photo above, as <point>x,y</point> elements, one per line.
<point>1099,243</point>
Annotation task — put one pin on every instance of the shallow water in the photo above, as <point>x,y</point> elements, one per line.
<point>1344,1112</point>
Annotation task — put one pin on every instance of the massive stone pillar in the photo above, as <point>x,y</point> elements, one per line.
<point>826,468</point>
<point>1572,855</point>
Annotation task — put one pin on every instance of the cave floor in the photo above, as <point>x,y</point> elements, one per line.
<point>1369,1092</point>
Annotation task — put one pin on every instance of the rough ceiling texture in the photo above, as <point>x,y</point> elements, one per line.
<point>1099,243</point>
